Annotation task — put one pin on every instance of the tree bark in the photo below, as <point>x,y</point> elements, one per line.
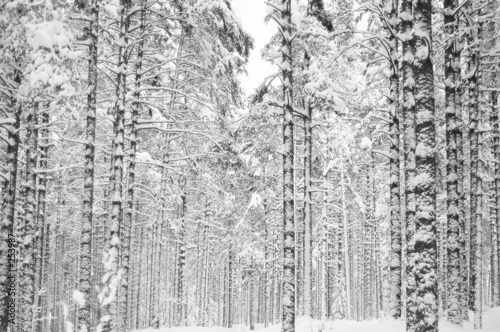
<point>408,111</point>
<point>395,264</point>
<point>425,178</point>
<point>345,245</point>
<point>288,295</point>
<point>27,271</point>
<point>477,172</point>
<point>495,222</point>
<point>181,293</point>
<point>453,231</point>
<point>308,213</point>
<point>85,267</point>
<point>41,232</point>
<point>9,251</point>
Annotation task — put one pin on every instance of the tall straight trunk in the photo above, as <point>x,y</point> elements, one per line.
<point>308,213</point>
<point>156,268</point>
<point>218,293</point>
<point>136,247</point>
<point>46,266</point>
<point>112,278</point>
<point>27,272</point>
<point>41,224</point>
<point>98,235</point>
<point>374,268</point>
<point>477,172</point>
<point>323,264</point>
<point>495,218</point>
<point>206,292</point>
<point>251,301</point>
<point>339,293</point>
<point>464,270</point>
<point>453,231</point>
<point>366,259</point>
<point>274,283</point>
<point>9,244</point>
<point>152,312</point>
<point>198,268</point>
<point>129,214</point>
<point>299,238</point>
<point>288,295</point>
<point>224,295</point>
<point>140,278</point>
<point>472,104</point>
<point>330,258</point>
<point>425,178</point>
<point>408,111</point>
<point>230,287</point>
<point>85,268</point>
<point>147,279</point>
<point>265,283</point>
<point>205,276</point>
<point>395,264</point>
<point>56,261</point>
<point>330,274</point>
<point>493,207</point>
<point>345,245</point>
<point>181,293</point>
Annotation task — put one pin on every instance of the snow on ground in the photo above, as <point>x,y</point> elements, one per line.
<point>491,323</point>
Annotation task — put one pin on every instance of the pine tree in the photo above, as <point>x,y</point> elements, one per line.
<point>288,297</point>
<point>453,243</point>
<point>84,285</point>
<point>9,244</point>
<point>496,202</point>
<point>308,222</point>
<point>43,227</point>
<point>111,280</point>
<point>408,111</point>
<point>27,275</point>
<point>425,177</point>
<point>395,223</point>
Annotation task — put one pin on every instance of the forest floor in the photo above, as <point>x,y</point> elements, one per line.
<point>491,323</point>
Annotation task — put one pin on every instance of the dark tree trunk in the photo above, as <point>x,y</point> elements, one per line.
<point>85,268</point>
<point>425,178</point>
<point>288,295</point>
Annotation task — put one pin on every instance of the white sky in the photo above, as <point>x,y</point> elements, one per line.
<point>251,14</point>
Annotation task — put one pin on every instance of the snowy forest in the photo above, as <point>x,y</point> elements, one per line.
<point>357,188</point>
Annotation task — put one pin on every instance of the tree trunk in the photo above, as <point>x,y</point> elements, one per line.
<point>472,103</point>
<point>495,218</point>
<point>41,233</point>
<point>27,271</point>
<point>308,213</point>
<point>395,264</point>
<point>265,282</point>
<point>85,267</point>
<point>251,310</point>
<point>9,251</point>
<point>288,295</point>
<point>425,178</point>
<point>453,231</point>
<point>181,293</point>
<point>129,214</point>
<point>230,287</point>
<point>408,111</point>
<point>323,265</point>
<point>347,263</point>
<point>112,278</point>
<point>477,172</point>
